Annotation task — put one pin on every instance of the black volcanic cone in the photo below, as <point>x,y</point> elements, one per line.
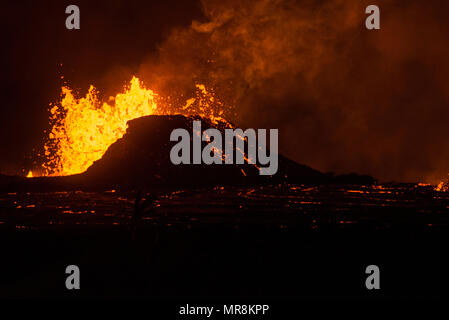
<point>141,159</point>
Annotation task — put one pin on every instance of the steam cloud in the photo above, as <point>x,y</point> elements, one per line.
<point>344,98</point>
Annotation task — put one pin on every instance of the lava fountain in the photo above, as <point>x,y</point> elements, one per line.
<point>84,128</point>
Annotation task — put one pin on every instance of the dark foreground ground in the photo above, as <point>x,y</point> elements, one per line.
<point>274,242</point>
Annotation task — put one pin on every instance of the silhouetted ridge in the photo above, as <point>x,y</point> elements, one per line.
<point>141,159</point>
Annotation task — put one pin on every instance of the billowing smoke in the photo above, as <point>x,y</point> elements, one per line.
<point>344,98</point>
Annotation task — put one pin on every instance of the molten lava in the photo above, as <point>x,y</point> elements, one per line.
<point>84,128</point>
<point>442,186</point>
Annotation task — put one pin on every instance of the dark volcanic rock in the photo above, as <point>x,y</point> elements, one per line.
<point>141,159</point>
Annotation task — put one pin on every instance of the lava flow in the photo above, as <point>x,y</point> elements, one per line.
<point>84,128</point>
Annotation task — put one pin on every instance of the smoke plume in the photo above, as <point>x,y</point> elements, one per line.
<point>344,98</point>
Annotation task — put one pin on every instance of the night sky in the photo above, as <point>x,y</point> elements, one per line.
<point>344,98</point>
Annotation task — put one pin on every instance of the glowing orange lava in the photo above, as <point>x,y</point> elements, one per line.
<point>84,128</point>
<point>442,187</point>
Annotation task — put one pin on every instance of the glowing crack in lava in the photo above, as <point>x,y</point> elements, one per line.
<point>84,128</point>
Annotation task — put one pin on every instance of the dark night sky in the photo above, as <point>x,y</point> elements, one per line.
<point>114,38</point>
<point>344,98</point>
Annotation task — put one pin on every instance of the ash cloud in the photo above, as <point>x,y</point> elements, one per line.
<point>344,98</point>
